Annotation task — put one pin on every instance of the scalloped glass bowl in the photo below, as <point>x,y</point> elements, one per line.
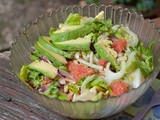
<point>145,30</point>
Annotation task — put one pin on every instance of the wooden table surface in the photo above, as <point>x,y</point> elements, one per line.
<point>16,103</point>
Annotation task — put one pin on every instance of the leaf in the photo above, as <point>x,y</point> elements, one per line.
<point>52,90</point>
<point>144,57</point>
<point>99,82</point>
<point>62,97</point>
<point>35,78</point>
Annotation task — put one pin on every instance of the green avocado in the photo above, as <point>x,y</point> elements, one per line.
<point>103,52</point>
<point>44,68</point>
<point>45,42</point>
<point>71,32</point>
<point>57,59</point>
<point>79,44</point>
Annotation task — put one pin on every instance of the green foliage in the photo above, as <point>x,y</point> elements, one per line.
<point>121,1</point>
<point>140,5</point>
<point>144,5</point>
<point>93,1</point>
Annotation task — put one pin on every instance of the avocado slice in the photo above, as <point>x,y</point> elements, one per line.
<point>45,42</point>
<point>70,32</point>
<point>57,59</point>
<point>44,68</point>
<point>104,53</point>
<point>82,44</point>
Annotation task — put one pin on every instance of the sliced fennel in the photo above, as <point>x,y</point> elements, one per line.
<point>130,59</point>
<point>90,64</point>
<point>124,32</point>
<point>86,81</point>
<point>122,58</point>
<point>110,76</point>
<point>95,59</point>
<point>137,78</point>
<point>85,96</point>
<point>77,55</point>
<point>91,58</point>
<point>100,16</point>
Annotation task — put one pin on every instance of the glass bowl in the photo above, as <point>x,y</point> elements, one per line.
<point>145,30</point>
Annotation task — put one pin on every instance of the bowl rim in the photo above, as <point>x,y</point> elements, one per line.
<point>153,74</point>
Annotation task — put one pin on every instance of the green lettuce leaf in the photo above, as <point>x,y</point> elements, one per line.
<point>63,68</point>
<point>81,81</point>
<point>73,19</point>
<point>104,26</point>
<point>62,97</point>
<point>99,82</point>
<point>144,58</point>
<point>73,88</point>
<point>52,90</point>
<point>35,78</point>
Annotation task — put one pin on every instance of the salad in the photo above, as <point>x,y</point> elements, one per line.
<point>87,59</point>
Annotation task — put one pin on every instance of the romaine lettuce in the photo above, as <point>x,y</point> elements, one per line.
<point>52,90</point>
<point>144,58</point>
<point>99,82</point>
<point>35,78</point>
<point>62,97</point>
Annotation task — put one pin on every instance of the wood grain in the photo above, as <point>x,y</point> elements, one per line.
<point>17,104</point>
